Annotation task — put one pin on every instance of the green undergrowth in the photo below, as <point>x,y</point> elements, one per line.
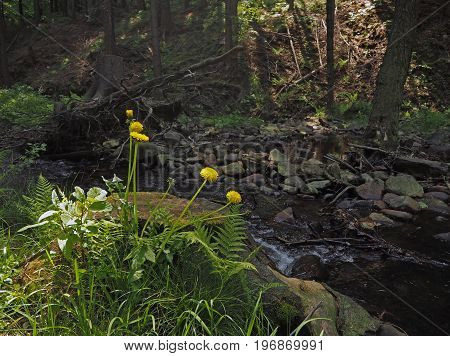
<point>22,105</point>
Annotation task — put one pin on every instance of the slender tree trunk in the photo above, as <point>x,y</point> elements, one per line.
<point>64,8</point>
<point>231,28</point>
<point>20,7</point>
<point>108,25</point>
<point>330,55</point>
<point>142,5</point>
<point>203,4</point>
<point>384,117</point>
<point>166,19</point>
<point>156,49</point>
<point>5,78</point>
<point>71,8</point>
<point>187,3</point>
<point>230,23</point>
<point>37,10</point>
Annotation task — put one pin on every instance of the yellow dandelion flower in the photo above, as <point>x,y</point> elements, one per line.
<point>130,113</point>
<point>136,126</point>
<point>139,137</point>
<point>234,197</point>
<point>209,174</point>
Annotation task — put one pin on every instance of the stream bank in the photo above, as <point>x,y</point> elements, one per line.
<point>319,208</point>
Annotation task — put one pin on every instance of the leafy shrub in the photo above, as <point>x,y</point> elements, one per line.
<point>426,120</point>
<point>23,105</point>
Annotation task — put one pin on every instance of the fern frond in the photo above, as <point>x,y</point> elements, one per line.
<point>39,198</point>
<point>229,238</point>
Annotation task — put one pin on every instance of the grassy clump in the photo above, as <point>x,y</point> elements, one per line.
<point>22,105</point>
<point>233,120</point>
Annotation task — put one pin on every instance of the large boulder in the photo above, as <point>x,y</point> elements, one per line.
<point>404,184</point>
<point>420,167</point>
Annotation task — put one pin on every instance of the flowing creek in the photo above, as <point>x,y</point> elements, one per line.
<point>413,296</point>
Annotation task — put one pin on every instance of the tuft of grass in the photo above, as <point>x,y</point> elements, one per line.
<point>233,120</point>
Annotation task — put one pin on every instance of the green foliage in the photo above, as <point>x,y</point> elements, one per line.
<point>230,238</point>
<point>350,108</point>
<point>426,120</point>
<point>38,199</point>
<point>22,105</point>
<point>233,120</point>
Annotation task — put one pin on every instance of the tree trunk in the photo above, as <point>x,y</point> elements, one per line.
<point>142,5</point>
<point>230,26</point>
<point>330,55</point>
<point>166,19</point>
<point>20,7</point>
<point>384,117</point>
<point>156,49</point>
<point>71,8</point>
<point>203,4</point>
<point>108,24</point>
<point>37,10</point>
<point>4,72</point>
<point>187,3</point>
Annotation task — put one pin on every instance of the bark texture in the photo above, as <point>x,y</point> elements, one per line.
<point>156,48</point>
<point>330,55</point>
<point>384,117</point>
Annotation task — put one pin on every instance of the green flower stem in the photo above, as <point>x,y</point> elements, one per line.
<point>135,210</point>
<point>188,205</point>
<point>156,207</point>
<point>130,173</point>
<point>172,230</point>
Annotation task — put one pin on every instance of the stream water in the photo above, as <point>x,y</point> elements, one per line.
<point>413,296</point>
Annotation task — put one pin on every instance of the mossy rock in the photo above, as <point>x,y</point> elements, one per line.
<point>147,201</point>
<point>291,300</point>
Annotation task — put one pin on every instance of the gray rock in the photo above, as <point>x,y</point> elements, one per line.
<point>276,156</point>
<point>371,190</point>
<point>404,184</point>
<point>349,177</point>
<point>287,169</point>
<point>195,159</point>
<point>445,236</point>
<point>396,214</point>
<point>267,190</point>
<point>257,179</point>
<point>367,178</point>
<point>318,184</point>
<point>381,219</point>
<point>435,205</point>
<point>289,189</point>
<point>334,170</point>
<point>234,169</point>
<point>111,144</point>
<point>437,195</point>
<point>295,181</point>
<point>231,157</point>
<point>380,175</point>
<point>287,215</point>
<point>313,168</point>
<point>310,267</point>
<point>172,137</point>
<point>420,167</point>
<point>402,202</point>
